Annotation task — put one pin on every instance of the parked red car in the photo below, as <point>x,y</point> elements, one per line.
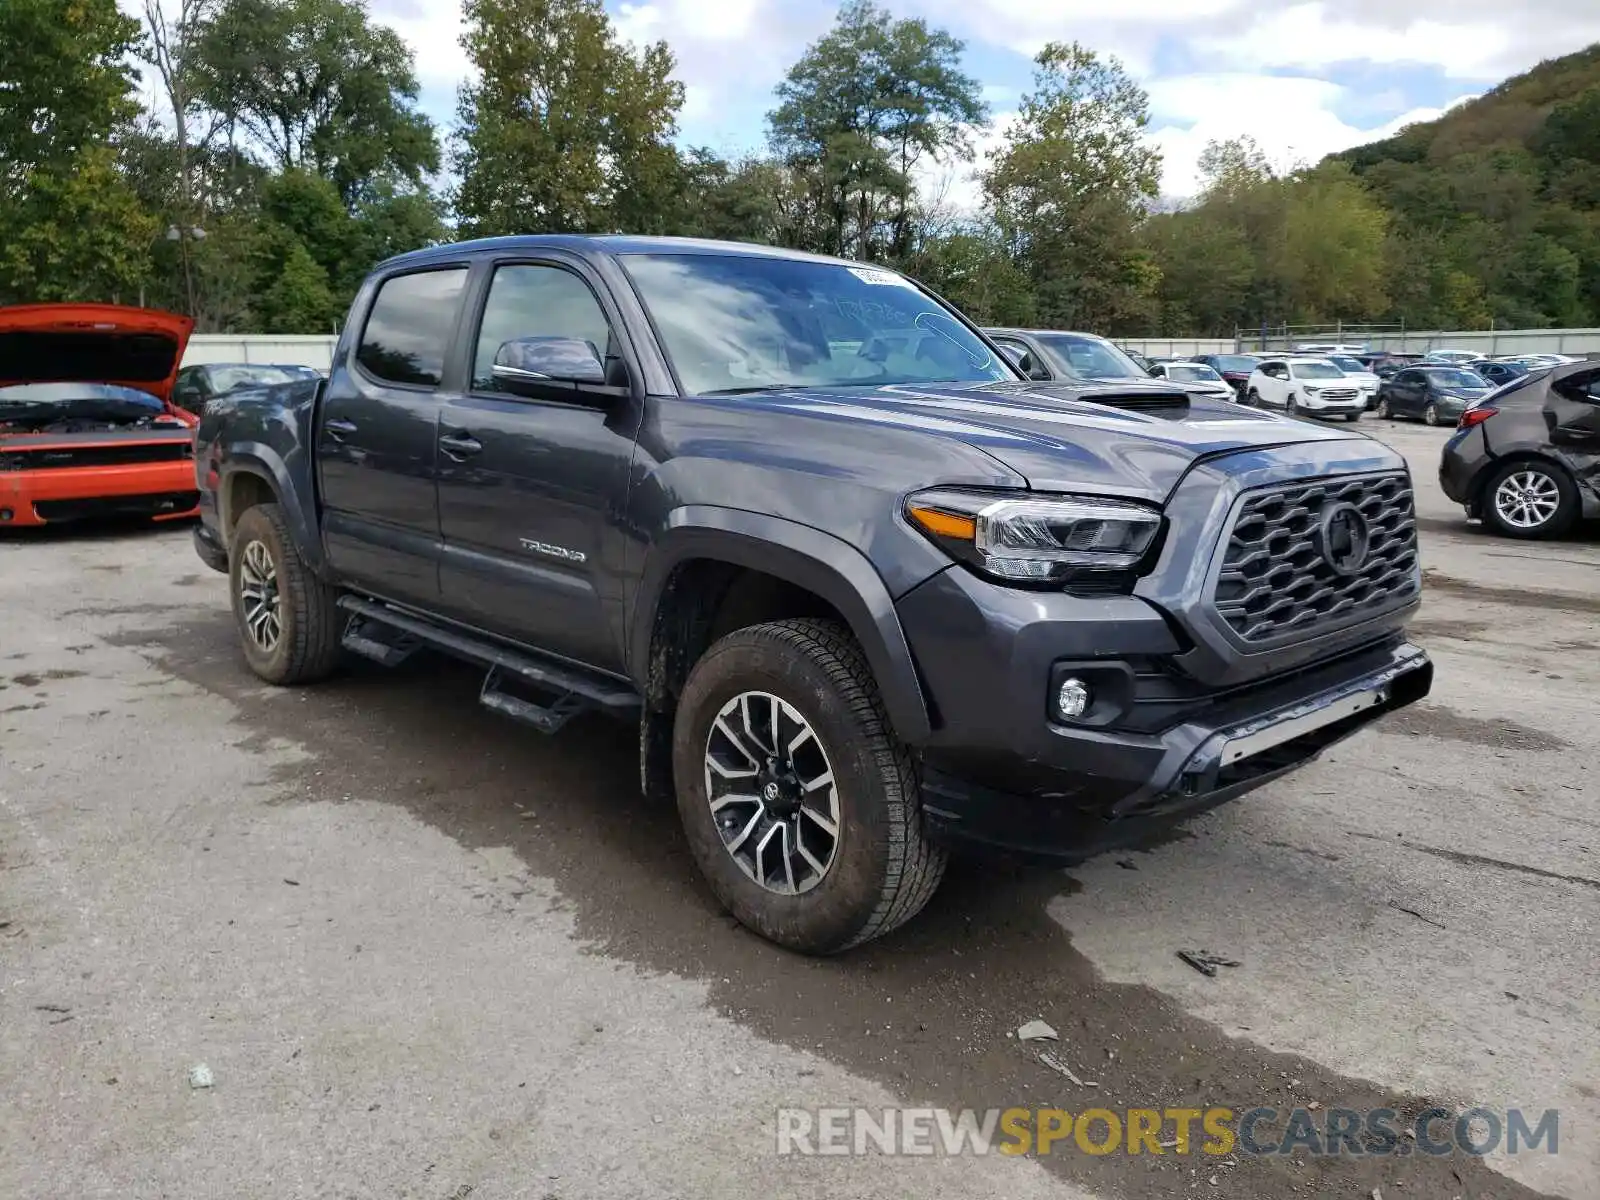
<point>87,423</point>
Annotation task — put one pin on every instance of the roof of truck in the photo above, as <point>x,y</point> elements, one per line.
<point>612,243</point>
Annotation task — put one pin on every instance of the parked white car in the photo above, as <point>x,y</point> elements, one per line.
<point>1197,378</point>
<point>1314,386</point>
<point>1354,369</point>
<point>1453,357</point>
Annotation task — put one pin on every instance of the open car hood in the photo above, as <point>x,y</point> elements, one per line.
<point>93,343</point>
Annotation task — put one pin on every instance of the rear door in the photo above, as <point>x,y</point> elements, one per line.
<point>532,491</point>
<point>1407,390</point>
<point>377,440</point>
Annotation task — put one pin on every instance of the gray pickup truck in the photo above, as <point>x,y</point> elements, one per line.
<point>868,592</point>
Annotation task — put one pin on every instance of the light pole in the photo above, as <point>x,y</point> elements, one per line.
<point>182,237</point>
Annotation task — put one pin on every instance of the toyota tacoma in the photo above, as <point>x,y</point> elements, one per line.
<point>867,591</point>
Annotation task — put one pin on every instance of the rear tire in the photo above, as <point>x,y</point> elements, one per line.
<point>878,868</point>
<point>288,619</point>
<point>1530,500</point>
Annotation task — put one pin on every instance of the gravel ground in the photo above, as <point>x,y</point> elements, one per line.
<point>427,953</point>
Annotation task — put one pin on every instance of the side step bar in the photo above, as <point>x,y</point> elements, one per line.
<point>389,636</point>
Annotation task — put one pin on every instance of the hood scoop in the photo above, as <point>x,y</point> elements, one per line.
<point>1135,399</point>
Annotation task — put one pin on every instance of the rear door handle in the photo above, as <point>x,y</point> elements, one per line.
<point>339,429</point>
<point>460,445</point>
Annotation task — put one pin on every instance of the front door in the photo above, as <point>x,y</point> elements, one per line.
<point>531,492</point>
<point>1574,409</point>
<point>376,441</point>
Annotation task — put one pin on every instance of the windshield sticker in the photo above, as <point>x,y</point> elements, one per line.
<point>878,278</point>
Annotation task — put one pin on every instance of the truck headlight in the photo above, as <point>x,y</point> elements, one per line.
<point>1036,539</point>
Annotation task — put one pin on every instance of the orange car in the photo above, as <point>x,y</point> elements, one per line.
<point>87,423</point>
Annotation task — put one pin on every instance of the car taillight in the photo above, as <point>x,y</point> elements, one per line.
<point>1475,416</point>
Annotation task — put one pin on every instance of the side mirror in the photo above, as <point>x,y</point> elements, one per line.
<point>551,368</point>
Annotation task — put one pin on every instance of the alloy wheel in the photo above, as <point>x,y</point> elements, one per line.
<point>259,597</point>
<point>1527,499</point>
<point>772,793</point>
<point>1430,415</point>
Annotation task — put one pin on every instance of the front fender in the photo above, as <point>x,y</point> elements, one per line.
<point>805,557</point>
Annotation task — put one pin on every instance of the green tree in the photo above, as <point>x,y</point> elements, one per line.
<point>1332,257</point>
<point>563,128</point>
<point>70,227</point>
<point>862,108</point>
<point>315,85</point>
<point>76,233</point>
<point>66,80</point>
<point>1069,189</point>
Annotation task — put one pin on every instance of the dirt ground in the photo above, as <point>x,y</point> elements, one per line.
<point>426,952</point>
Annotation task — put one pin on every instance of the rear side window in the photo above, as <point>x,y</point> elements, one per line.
<point>409,328</point>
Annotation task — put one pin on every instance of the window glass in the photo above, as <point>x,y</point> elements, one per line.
<point>744,323</point>
<point>1193,373</point>
<point>526,300</point>
<point>1317,370</point>
<point>409,328</point>
<point>1093,358</point>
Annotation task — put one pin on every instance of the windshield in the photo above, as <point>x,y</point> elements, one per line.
<point>1317,370</point>
<point>1192,373</point>
<point>739,323</point>
<point>1450,377</point>
<point>1349,365</point>
<point>1243,363</point>
<point>225,379</point>
<point>1091,357</point>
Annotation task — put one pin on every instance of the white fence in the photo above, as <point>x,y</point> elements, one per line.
<point>1177,347</point>
<point>1579,342</point>
<point>303,350</point>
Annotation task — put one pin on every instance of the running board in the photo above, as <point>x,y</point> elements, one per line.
<point>383,644</point>
<point>389,635</point>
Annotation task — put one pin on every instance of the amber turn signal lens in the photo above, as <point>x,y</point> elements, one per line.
<point>943,524</point>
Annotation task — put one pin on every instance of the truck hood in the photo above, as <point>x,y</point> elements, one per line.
<point>92,343</point>
<point>1136,440</point>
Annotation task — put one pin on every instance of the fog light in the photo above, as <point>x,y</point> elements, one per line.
<point>1072,701</point>
<point>5,514</point>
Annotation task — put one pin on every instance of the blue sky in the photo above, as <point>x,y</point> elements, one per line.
<point>1303,78</point>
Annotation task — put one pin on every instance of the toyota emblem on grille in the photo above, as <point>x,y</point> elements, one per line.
<point>1345,538</point>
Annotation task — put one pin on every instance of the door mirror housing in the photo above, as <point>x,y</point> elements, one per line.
<point>553,368</point>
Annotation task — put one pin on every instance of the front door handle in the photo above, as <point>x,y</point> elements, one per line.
<point>460,445</point>
<point>339,429</point>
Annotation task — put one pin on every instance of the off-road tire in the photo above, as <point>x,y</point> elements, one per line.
<point>885,869</point>
<point>307,648</point>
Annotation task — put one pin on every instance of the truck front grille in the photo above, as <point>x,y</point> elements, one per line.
<point>1291,566</point>
<point>1338,394</point>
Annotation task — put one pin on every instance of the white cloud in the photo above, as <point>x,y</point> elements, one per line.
<point>1290,118</point>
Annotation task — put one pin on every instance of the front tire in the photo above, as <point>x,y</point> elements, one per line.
<point>288,619</point>
<point>1352,417</point>
<point>801,809</point>
<point>1430,415</point>
<point>1527,499</point>
<point>1290,408</point>
<point>1383,412</point>
<point>1252,398</point>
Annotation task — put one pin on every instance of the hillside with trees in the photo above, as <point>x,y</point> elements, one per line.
<point>287,153</point>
